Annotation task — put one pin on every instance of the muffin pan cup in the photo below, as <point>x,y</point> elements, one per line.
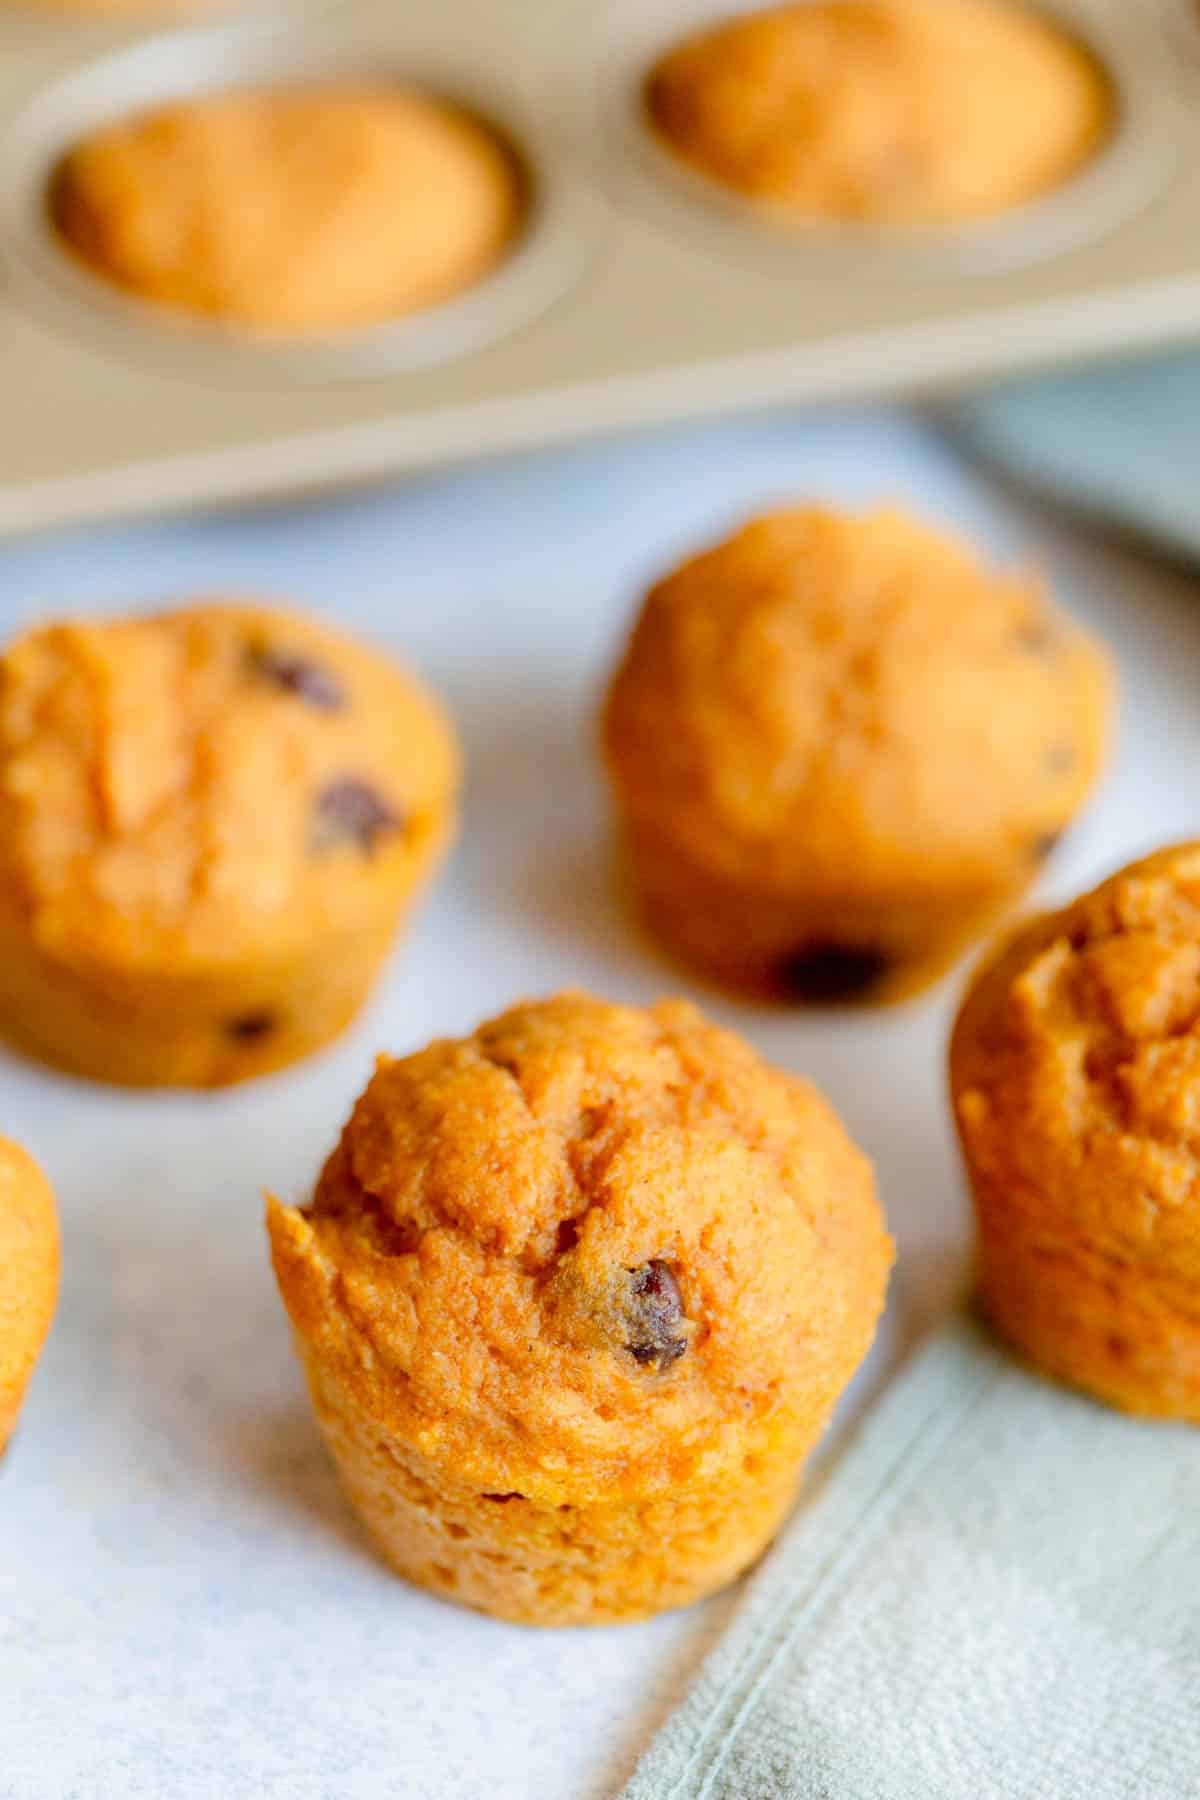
<point>1117,182</point>
<point>200,61</point>
<point>637,292</point>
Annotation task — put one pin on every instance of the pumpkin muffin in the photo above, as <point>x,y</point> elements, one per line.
<point>212,822</point>
<point>28,1276</point>
<point>1075,1076</point>
<point>893,112</point>
<point>292,210</point>
<point>575,1298</point>
<point>838,745</point>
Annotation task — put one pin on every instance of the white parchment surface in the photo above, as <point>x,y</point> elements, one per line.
<point>187,1609</point>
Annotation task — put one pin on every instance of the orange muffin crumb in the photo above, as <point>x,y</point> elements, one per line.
<point>212,823</point>
<point>575,1297</point>
<point>29,1260</point>
<point>1075,1076</point>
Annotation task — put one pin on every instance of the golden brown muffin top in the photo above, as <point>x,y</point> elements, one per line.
<point>1075,1068</point>
<point>293,209</point>
<point>29,1257</point>
<point>196,787</point>
<point>857,704</point>
<point>587,1249</point>
<point>913,112</point>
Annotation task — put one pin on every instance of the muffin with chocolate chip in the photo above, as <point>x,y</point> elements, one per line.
<point>1075,1076</point>
<point>29,1258</point>
<point>839,745</point>
<point>296,209</point>
<point>884,112</point>
<point>575,1297</point>
<point>212,823</point>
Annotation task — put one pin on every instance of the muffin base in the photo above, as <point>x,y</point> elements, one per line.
<point>1090,1322</point>
<point>805,949</point>
<point>195,1027</point>
<point>538,1564</point>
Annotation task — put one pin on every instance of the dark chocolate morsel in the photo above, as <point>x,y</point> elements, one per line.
<point>829,974</point>
<point>298,675</point>
<point>501,1499</point>
<point>351,811</point>
<point>566,1237</point>
<point>655,1316</point>
<point>250,1027</point>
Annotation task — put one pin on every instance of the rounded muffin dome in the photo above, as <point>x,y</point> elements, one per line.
<point>594,1259</point>
<point>846,732</point>
<point>1075,1074</point>
<point>197,781</point>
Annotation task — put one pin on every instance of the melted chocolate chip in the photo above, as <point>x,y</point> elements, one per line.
<point>251,1027</point>
<point>351,812</point>
<point>1047,844</point>
<point>502,1499</point>
<point>657,1338</point>
<point>308,681</point>
<point>828,974</point>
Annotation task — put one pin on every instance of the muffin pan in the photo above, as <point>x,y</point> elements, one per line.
<point>637,292</point>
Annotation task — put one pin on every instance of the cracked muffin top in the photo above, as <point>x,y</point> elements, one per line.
<point>587,1250</point>
<point>855,704</point>
<point>1075,1068</point>
<point>900,112</point>
<point>202,785</point>
<point>293,209</point>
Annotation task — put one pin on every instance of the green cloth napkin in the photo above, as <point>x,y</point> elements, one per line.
<point>996,1592</point>
<point>1120,441</point>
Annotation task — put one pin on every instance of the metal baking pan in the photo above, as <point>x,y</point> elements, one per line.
<point>637,294</point>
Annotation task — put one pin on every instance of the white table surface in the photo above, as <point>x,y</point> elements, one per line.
<point>187,1610</point>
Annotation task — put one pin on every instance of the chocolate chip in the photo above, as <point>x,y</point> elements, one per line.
<point>655,1314</point>
<point>502,1499</point>
<point>251,1027</point>
<point>297,675</point>
<point>1047,844</point>
<point>829,974</point>
<point>350,811</point>
<point>566,1237</point>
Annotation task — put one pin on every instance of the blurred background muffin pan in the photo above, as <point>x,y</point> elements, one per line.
<point>634,291</point>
